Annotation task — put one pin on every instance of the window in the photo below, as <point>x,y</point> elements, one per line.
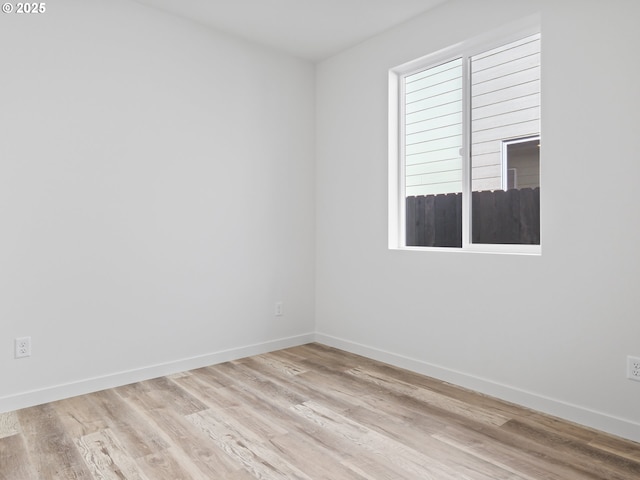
<point>465,147</point>
<point>521,154</point>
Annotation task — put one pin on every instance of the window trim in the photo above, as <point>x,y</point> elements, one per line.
<point>396,167</point>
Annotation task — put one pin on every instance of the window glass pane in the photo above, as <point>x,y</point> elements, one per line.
<point>505,139</point>
<point>433,137</point>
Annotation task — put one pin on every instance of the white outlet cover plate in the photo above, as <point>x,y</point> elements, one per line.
<point>23,347</point>
<point>633,368</point>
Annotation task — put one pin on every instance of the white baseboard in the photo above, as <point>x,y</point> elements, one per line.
<point>575,413</point>
<point>59,392</point>
<point>601,421</point>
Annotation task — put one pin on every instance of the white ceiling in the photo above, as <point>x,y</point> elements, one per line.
<point>313,29</point>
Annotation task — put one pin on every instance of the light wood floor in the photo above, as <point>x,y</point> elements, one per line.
<point>309,412</point>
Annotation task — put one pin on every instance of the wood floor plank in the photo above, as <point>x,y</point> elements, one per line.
<point>51,451</point>
<point>308,412</point>
<point>80,416</point>
<point>15,463</point>
<point>340,390</point>
<point>134,432</point>
<point>280,365</point>
<point>106,457</point>
<point>170,464</point>
<point>9,424</point>
<point>425,441</point>
<point>187,442</point>
<point>409,462</point>
<point>159,392</point>
<point>253,417</point>
<point>245,447</point>
<point>593,460</point>
<point>450,404</point>
<point>324,464</point>
<point>525,464</point>
<point>253,380</point>
<point>212,375</point>
<point>200,387</point>
<point>345,362</point>
<point>274,402</point>
<point>616,446</point>
<point>212,461</point>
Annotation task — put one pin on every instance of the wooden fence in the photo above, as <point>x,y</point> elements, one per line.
<point>498,217</point>
<point>434,220</point>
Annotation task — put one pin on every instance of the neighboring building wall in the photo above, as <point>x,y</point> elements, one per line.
<point>505,100</point>
<point>433,130</point>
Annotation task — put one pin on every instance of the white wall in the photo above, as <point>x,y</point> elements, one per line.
<point>156,197</point>
<point>457,315</point>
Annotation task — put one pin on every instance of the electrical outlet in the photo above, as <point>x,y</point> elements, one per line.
<point>633,368</point>
<point>23,347</point>
<point>279,309</point>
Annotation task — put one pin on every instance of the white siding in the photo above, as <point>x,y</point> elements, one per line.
<point>505,100</point>
<point>433,130</point>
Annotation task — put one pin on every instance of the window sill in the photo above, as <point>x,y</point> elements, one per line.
<point>527,250</point>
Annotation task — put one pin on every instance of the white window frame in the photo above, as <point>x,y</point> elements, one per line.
<point>397,203</point>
